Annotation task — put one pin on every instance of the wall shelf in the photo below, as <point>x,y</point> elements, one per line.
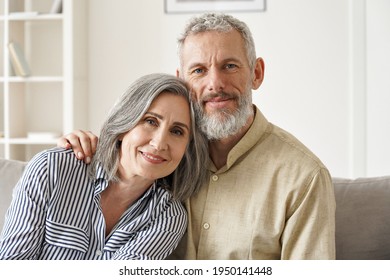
<point>16,79</point>
<point>51,100</point>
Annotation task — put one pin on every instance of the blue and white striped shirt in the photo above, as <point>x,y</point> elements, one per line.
<point>55,214</point>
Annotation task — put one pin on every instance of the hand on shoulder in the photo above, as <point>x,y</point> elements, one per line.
<point>82,142</point>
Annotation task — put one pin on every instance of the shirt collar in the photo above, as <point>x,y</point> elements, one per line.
<point>101,182</point>
<point>250,139</point>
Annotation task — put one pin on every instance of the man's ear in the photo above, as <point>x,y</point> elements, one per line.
<point>258,73</point>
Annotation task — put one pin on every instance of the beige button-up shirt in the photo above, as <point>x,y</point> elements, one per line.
<point>274,199</point>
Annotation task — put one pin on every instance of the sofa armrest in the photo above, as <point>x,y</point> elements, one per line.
<point>363,218</point>
<point>10,172</point>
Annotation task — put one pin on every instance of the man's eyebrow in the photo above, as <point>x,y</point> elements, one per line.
<point>162,118</point>
<point>224,61</point>
<point>195,65</point>
<point>232,60</point>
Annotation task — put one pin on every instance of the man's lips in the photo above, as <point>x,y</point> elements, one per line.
<point>218,102</point>
<point>152,158</point>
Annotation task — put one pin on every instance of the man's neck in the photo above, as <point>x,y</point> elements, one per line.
<point>219,149</point>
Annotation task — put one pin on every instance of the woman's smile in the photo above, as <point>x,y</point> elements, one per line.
<point>152,158</point>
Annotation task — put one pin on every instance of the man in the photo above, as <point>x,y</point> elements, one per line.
<point>268,196</point>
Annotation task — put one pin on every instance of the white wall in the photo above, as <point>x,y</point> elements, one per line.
<point>378,87</point>
<point>315,85</point>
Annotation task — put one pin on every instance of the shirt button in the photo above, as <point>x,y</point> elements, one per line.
<point>99,253</point>
<point>214,178</point>
<point>206,225</point>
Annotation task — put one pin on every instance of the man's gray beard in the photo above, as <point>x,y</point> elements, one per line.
<point>224,123</point>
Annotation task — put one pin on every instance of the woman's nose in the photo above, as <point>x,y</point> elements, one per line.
<point>159,141</point>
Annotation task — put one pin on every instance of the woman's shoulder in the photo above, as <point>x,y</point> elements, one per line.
<point>62,153</point>
<point>165,200</point>
<point>56,158</point>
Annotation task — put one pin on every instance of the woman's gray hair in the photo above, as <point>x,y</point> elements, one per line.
<point>219,23</point>
<point>125,115</point>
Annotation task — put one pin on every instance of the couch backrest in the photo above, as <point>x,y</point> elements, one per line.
<point>10,172</point>
<point>362,213</point>
<point>363,218</point>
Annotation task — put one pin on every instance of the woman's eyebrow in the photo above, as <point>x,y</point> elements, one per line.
<point>162,118</point>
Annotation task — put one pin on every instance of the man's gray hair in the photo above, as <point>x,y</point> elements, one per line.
<point>124,116</point>
<point>220,23</point>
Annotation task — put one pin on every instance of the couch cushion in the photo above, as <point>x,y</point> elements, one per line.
<point>10,172</point>
<point>363,218</point>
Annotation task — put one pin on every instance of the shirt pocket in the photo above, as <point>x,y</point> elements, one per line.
<point>66,236</point>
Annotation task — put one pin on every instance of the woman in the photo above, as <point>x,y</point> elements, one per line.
<point>127,203</point>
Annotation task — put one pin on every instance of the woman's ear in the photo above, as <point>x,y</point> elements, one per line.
<point>258,73</point>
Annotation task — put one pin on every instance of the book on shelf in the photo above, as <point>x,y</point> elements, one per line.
<point>56,7</point>
<point>18,60</point>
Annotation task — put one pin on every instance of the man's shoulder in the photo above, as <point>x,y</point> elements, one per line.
<point>271,138</point>
<point>291,146</point>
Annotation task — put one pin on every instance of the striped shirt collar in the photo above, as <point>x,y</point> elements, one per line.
<point>101,182</point>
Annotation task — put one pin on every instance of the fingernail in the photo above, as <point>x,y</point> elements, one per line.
<point>88,160</point>
<point>79,155</point>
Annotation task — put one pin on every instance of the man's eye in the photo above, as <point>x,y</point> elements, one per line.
<point>198,71</point>
<point>231,66</point>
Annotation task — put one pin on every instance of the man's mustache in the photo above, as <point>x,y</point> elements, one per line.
<point>222,95</point>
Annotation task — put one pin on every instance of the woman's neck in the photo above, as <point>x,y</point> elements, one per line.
<point>116,199</point>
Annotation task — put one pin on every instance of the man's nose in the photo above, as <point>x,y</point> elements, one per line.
<point>216,82</point>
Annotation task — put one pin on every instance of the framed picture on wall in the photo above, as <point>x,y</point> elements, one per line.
<point>199,6</point>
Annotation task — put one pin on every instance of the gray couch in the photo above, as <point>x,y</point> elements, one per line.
<point>362,216</point>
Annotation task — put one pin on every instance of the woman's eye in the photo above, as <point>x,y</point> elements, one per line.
<point>151,121</point>
<point>178,132</point>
